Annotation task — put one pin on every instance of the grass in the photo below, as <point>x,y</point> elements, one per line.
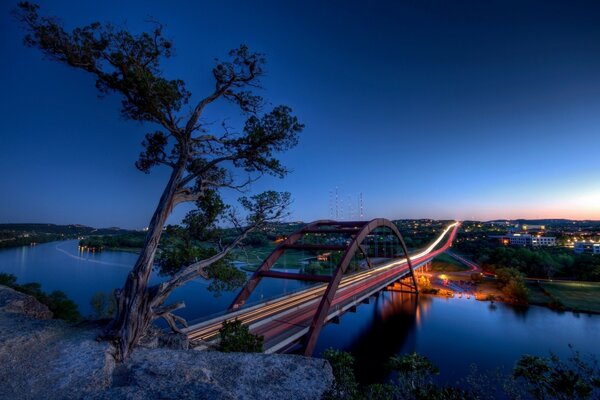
<point>577,296</point>
<point>537,295</point>
<point>445,263</point>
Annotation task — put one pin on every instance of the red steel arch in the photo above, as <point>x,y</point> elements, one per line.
<point>358,230</point>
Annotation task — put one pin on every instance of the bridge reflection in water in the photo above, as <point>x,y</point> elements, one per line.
<point>377,332</point>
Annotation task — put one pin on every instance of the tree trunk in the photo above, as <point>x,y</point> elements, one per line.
<point>135,300</point>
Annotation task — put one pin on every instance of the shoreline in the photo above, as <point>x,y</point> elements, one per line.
<point>483,292</point>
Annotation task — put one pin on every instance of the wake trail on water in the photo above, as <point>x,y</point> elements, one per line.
<point>69,254</point>
<point>90,259</point>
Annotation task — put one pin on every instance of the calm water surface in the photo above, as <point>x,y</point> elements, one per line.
<point>453,333</point>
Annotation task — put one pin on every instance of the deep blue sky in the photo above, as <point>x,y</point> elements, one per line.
<point>430,109</point>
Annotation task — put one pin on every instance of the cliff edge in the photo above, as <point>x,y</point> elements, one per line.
<point>50,359</point>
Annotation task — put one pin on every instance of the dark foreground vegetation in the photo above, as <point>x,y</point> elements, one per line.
<point>61,306</point>
<point>533,377</point>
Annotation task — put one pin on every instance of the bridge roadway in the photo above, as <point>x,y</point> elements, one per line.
<point>285,320</point>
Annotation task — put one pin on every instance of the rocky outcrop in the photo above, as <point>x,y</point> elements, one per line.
<point>51,360</point>
<point>12,301</point>
<point>176,374</point>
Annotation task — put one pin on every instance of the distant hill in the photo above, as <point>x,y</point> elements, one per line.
<point>548,221</point>
<point>12,235</point>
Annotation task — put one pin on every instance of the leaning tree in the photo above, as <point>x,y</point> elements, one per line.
<point>202,157</point>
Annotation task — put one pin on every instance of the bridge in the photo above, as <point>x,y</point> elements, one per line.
<point>298,317</point>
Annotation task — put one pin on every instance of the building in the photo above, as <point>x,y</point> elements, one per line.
<point>586,248</point>
<point>543,241</point>
<point>526,227</point>
<point>526,239</point>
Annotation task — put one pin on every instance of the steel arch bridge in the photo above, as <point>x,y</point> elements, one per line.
<point>301,315</point>
<point>358,231</point>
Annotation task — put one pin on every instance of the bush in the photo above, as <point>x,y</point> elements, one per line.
<point>104,305</point>
<point>8,280</point>
<point>236,337</point>
<point>556,304</point>
<point>313,268</point>
<point>342,365</point>
<point>553,378</point>
<point>61,306</point>
<point>513,284</point>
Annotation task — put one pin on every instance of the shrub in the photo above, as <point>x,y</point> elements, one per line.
<point>553,378</point>
<point>8,280</point>
<point>104,305</point>
<point>61,306</point>
<point>236,337</point>
<point>342,365</point>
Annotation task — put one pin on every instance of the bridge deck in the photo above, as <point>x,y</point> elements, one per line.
<point>285,320</point>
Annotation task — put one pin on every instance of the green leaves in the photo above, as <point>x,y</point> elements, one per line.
<point>61,306</point>
<point>274,132</point>
<point>513,284</point>
<point>266,206</point>
<point>201,222</point>
<point>121,61</point>
<point>174,257</point>
<point>552,378</point>
<point>224,277</point>
<point>236,337</point>
<point>154,151</point>
<point>342,366</point>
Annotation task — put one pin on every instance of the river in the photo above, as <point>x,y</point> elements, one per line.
<point>453,333</point>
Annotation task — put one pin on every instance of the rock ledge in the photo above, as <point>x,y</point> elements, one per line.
<point>50,359</point>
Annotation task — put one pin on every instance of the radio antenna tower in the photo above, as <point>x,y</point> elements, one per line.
<point>361,205</point>
<point>350,209</point>
<point>331,204</point>
<point>337,204</point>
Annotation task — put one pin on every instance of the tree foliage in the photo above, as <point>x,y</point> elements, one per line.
<point>553,378</point>
<point>235,337</point>
<point>513,284</point>
<point>533,377</point>
<point>342,366</point>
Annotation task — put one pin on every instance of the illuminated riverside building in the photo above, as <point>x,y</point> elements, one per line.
<point>586,248</point>
<point>526,239</point>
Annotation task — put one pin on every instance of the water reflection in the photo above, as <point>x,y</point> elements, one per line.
<point>454,333</point>
<point>395,316</point>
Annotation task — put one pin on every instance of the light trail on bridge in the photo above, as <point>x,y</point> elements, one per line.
<point>284,320</point>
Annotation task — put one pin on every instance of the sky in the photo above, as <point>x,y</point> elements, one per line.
<point>430,109</point>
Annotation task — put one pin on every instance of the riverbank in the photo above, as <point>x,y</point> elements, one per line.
<point>578,297</point>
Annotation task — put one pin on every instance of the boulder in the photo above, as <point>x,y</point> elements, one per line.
<point>12,301</point>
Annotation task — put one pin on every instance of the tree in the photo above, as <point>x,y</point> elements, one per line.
<point>202,157</point>
<point>553,378</point>
<point>513,284</point>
